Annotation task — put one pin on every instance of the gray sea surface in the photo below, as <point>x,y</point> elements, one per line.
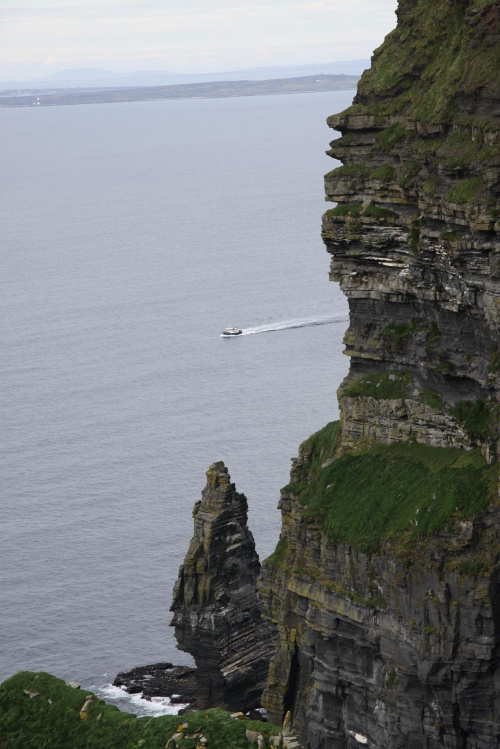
<point>132,234</point>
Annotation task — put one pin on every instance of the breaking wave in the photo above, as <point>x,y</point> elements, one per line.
<point>133,703</point>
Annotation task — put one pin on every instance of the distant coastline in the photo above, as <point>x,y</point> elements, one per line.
<point>207,90</point>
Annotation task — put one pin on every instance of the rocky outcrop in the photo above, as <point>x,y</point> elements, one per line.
<point>217,613</point>
<point>385,583</point>
<point>178,683</point>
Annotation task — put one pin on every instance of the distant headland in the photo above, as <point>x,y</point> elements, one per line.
<point>34,97</point>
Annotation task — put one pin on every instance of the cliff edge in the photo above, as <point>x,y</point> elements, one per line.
<point>384,585</point>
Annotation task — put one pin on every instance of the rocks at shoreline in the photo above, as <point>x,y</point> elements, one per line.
<point>178,683</point>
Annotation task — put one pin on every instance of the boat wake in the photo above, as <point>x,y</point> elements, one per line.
<point>299,323</point>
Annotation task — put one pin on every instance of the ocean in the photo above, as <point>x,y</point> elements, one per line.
<point>132,234</point>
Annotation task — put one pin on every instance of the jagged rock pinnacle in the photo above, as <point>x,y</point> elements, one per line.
<point>217,613</point>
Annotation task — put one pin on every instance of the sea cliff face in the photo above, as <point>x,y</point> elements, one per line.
<point>384,585</point>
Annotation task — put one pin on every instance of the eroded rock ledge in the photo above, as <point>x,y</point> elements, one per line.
<point>217,612</point>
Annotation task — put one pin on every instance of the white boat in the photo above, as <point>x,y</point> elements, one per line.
<point>231,331</point>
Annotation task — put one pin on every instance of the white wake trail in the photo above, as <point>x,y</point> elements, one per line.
<point>300,323</point>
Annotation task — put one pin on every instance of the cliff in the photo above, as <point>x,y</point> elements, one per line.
<point>217,614</point>
<point>384,584</point>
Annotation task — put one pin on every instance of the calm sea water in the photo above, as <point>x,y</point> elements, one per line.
<point>132,234</point>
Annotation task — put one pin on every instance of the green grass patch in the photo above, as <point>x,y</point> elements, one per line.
<point>384,172</point>
<point>468,191</point>
<point>414,236</point>
<point>392,136</point>
<point>278,556</point>
<point>391,680</point>
<point>388,386</point>
<point>353,171</point>
<point>318,448</point>
<point>345,209</point>
<point>383,213</point>
<point>432,399</point>
<point>451,236</point>
<point>473,567</point>
<point>429,187</point>
<point>433,336</point>
<point>391,494</point>
<point>377,603</point>
<point>445,366</point>
<point>408,175</point>
<point>494,363</point>
<point>479,418</point>
<point>398,333</point>
<point>40,724</point>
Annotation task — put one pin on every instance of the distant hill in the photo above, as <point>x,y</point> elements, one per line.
<point>102,78</point>
<point>57,94</point>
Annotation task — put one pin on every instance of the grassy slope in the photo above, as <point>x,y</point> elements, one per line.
<point>38,724</point>
<point>389,494</point>
<point>435,56</point>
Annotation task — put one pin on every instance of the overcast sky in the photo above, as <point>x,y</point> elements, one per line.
<point>41,37</point>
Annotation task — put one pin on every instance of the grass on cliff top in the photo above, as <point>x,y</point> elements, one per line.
<point>389,495</point>
<point>38,724</point>
<point>434,57</point>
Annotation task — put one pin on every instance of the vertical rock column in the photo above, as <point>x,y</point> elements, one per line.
<point>217,612</point>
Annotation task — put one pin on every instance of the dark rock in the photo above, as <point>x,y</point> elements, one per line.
<point>160,680</point>
<point>217,612</point>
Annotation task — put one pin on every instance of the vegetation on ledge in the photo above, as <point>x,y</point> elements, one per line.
<point>355,210</point>
<point>39,711</point>
<point>467,191</point>
<point>387,385</point>
<point>389,494</point>
<point>345,209</point>
<point>479,418</point>
<point>278,557</point>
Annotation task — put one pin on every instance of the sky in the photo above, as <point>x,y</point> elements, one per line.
<point>40,37</point>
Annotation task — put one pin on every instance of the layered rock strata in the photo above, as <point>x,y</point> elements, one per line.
<point>217,612</point>
<point>385,583</point>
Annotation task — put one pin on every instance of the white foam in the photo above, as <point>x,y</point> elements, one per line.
<point>134,702</point>
<point>304,322</point>
<point>358,737</point>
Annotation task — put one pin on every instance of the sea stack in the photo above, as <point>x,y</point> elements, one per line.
<point>217,612</point>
